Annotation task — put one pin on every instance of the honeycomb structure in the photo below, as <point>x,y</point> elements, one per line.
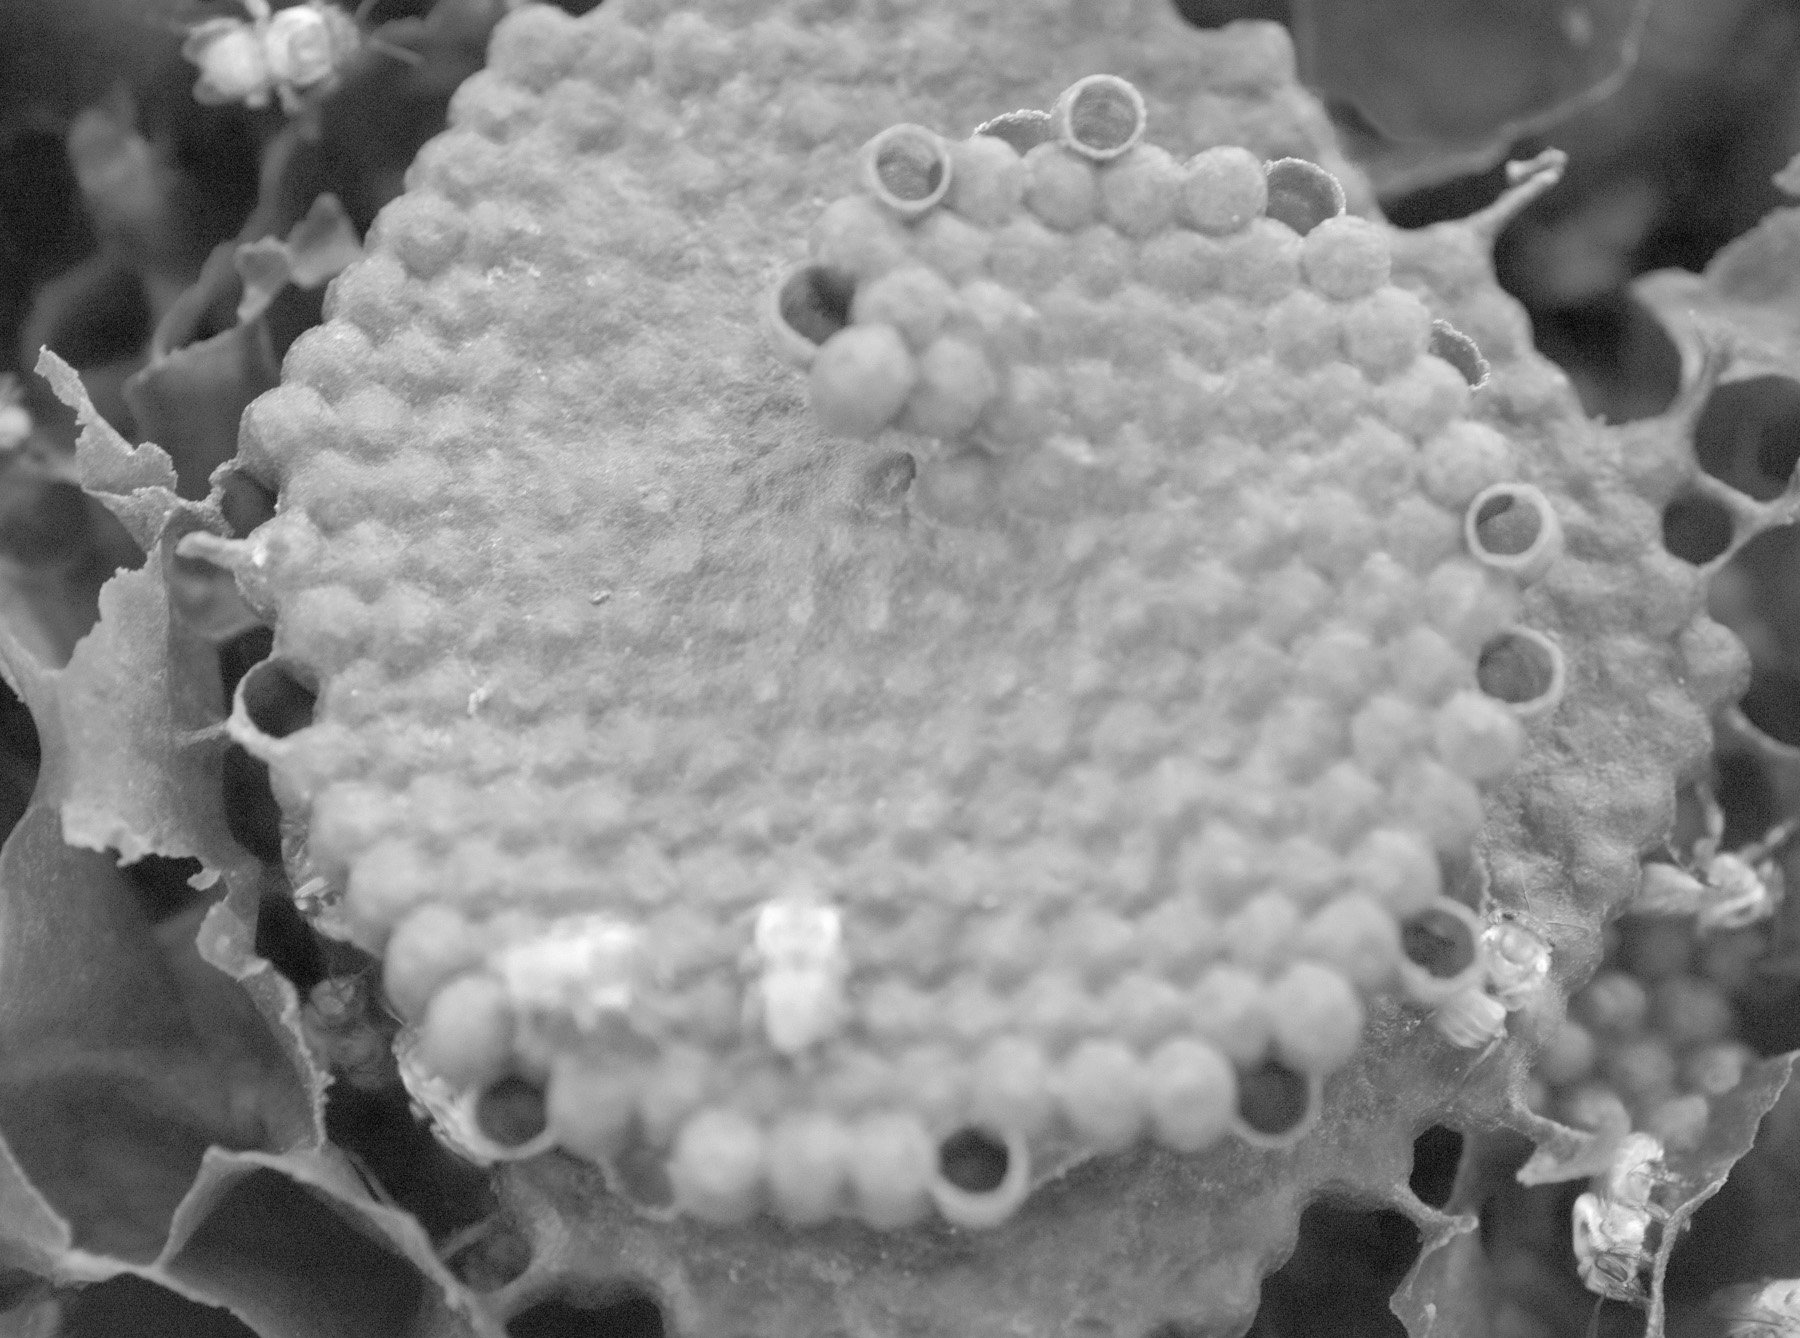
<point>1074,765</point>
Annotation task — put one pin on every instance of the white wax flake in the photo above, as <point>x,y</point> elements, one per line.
<point>581,967</point>
<point>797,948</point>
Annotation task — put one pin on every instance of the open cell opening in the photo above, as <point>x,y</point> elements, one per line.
<point>1461,352</point>
<point>1101,116</point>
<point>1522,668</point>
<point>277,698</point>
<point>973,1160</point>
<point>982,1177</point>
<point>1347,1261</point>
<point>1757,595</point>
<point>907,168</point>
<point>1696,528</point>
<point>1748,435</point>
<point>1439,942</point>
<point>627,1312</point>
<point>1512,528</point>
<point>1276,1105</point>
<point>1437,1155</point>
<point>1302,194</point>
<point>511,1112</point>
<point>814,302</point>
<point>1023,130</point>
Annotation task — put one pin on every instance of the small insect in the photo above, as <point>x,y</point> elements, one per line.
<point>1721,889</point>
<point>296,55</point>
<point>1612,1221</point>
<point>1760,1310</point>
<point>797,950</point>
<point>1471,1018</point>
<point>1517,961</point>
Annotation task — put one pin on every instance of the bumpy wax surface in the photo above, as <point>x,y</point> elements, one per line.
<point>1057,740</point>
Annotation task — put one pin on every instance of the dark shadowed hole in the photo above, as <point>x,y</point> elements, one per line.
<point>162,885</point>
<point>444,1192</point>
<point>1749,434</point>
<point>43,522</point>
<point>245,502</point>
<point>1516,669</point>
<point>909,167</point>
<point>251,814</point>
<point>1302,194</point>
<point>1273,1099</point>
<point>19,759</point>
<point>815,302</point>
<point>278,700</point>
<point>511,1112</point>
<point>241,654</point>
<point>973,1160</point>
<point>1772,703</point>
<point>1439,942</point>
<point>1460,351</point>
<point>1104,116</point>
<point>631,1313</point>
<point>285,941</point>
<point>1217,13</point>
<point>1696,528</point>
<point>1024,130</point>
<point>1757,595</point>
<point>1436,1155</point>
<point>1507,525</point>
<point>129,1307</point>
<point>1346,1263</point>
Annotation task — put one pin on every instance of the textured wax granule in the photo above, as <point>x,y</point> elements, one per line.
<point>1142,1009</point>
<point>1643,1068</point>
<point>466,1037</point>
<point>1427,666</point>
<point>1340,664</point>
<point>1396,868</point>
<point>1686,1010</point>
<point>1680,1122</point>
<point>861,378</point>
<point>987,181</point>
<point>855,235</point>
<point>1101,259</point>
<point>1424,399</point>
<point>1190,1089</point>
<point>1301,736</point>
<point>429,947</point>
<point>1231,1010</point>
<point>1385,331</point>
<point>717,1166</point>
<point>1468,603</point>
<point>1138,191</point>
<point>912,299</point>
<point>954,384</point>
<point>1356,935</point>
<point>892,1165</point>
<point>1439,804</point>
<point>808,1156</point>
<point>1342,804</point>
<point>1260,933</point>
<point>955,247</point>
<point>1099,1089</point>
<point>1303,331</point>
<point>1060,188</point>
<point>589,1107</point>
<point>1222,190</point>
<point>1714,1070</point>
<point>1261,263</point>
<point>1477,737</point>
<point>1463,459</point>
<point>1612,1003</point>
<point>1569,1055</point>
<point>1011,1087</point>
<point>1345,257</point>
<point>1316,1017</point>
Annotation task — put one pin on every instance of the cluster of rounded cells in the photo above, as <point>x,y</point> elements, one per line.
<point>1650,1042</point>
<point>1275,657</point>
